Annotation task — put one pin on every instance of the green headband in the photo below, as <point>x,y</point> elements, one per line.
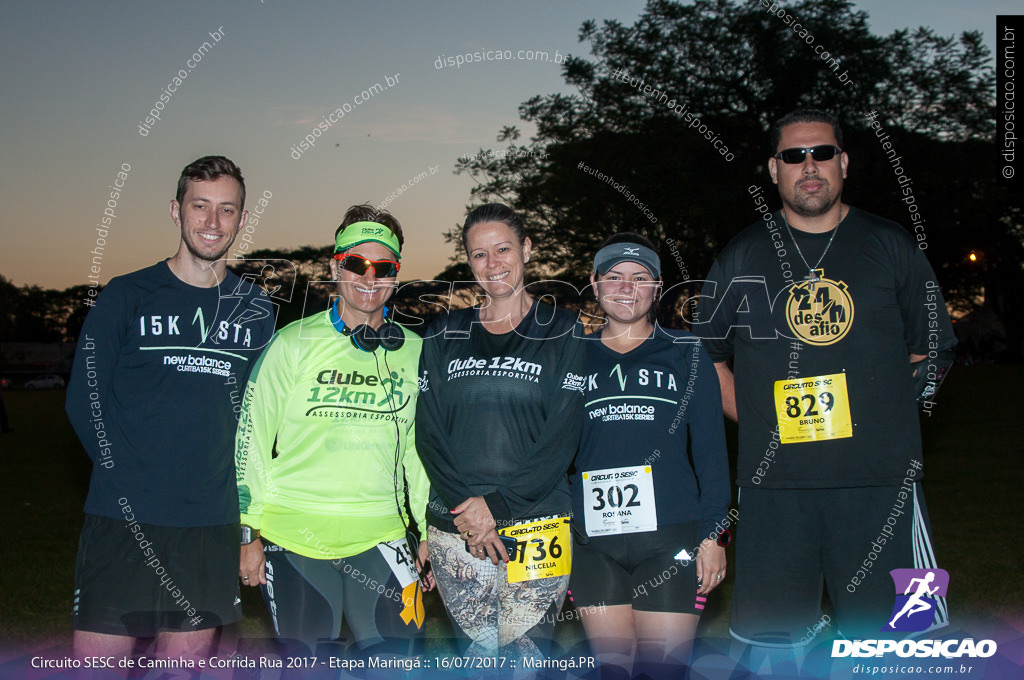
<point>361,232</point>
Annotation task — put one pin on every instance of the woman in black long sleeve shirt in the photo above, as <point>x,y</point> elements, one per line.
<point>498,423</point>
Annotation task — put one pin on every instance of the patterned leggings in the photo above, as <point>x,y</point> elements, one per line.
<point>501,618</point>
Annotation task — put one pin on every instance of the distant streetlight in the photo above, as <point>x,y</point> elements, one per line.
<point>972,257</point>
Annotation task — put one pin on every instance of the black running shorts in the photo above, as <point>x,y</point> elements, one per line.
<point>138,580</point>
<point>639,569</point>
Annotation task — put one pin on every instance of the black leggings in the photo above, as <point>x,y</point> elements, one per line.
<point>309,597</point>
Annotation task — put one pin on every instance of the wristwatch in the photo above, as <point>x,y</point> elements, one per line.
<point>249,534</point>
<point>724,538</point>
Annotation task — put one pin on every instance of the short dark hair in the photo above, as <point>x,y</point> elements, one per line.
<point>364,212</point>
<point>633,237</point>
<point>495,212</point>
<point>207,169</point>
<point>806,115</point>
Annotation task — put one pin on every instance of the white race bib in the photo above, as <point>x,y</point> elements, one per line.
<point>619,501</point>
<point>397,555</point>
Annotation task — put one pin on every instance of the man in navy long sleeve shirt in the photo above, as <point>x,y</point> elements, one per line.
<point>158,373</point>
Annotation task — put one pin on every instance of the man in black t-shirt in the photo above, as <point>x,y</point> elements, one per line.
<point>827,313</point>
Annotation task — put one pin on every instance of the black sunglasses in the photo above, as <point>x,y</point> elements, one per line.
<point>821,153</point>
<point>382,269</point>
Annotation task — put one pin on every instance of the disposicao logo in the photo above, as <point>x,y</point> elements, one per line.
<point>914,609</point>
<point>916,594</point>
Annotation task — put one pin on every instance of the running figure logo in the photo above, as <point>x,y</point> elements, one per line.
<point>917,592</point>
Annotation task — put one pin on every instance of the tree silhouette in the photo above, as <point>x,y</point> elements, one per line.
<point>676,110</point>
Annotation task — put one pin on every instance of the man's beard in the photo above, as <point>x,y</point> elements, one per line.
<point>812,206</point>
<point>205,257</point>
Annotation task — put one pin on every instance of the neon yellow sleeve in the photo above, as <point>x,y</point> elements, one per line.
<point>419,484</point>
<point>263,410</point>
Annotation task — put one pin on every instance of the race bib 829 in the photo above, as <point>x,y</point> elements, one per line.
<point>813,409</point>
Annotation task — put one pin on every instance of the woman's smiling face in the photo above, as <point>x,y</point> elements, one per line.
<point>497,258</point>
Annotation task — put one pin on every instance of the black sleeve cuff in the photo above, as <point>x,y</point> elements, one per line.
<point>498,507</point>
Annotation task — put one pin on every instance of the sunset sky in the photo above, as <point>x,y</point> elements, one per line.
<point>77,79</point>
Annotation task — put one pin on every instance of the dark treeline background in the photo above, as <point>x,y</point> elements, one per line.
<point>737,68</point>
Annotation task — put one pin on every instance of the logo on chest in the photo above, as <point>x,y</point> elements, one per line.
<point>819,311</point>
<point>644,377</point>
<point>502,367</point>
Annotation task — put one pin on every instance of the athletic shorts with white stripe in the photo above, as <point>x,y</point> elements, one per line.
<point>639,569</point>
<point>792,542</point>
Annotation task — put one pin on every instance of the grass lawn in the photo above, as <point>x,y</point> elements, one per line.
<point>973,482</point>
